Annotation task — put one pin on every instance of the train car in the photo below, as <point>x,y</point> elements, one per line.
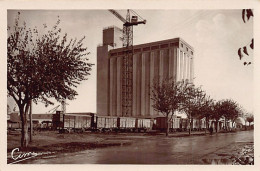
<point>174,124</point>
<point>46,125</point>
<point>203,124</point>
<point>14,125</point>
<point>77,122</point>
<point>68,122</point>
<point>105,123</point>
<point>160,123</point>
<point>142,124</point>
<point>184,123</point>
<point>195,124</point>
<point>192,123</point>
<point>126,123</point>
<point>36,125</point>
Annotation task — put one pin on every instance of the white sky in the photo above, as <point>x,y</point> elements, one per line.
<point>215,35</point>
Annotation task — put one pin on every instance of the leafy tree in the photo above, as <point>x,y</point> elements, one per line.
<point>191,102</point>
<point>238,113</point>
<point>166,96</point>
<point>40,67</point>
<point>206,110</point>
<point>226,108</point>
<point>217,114</point>
<point>229,110</point>
<point>250,118</point>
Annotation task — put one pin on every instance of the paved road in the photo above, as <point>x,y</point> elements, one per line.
<point>155,150</point>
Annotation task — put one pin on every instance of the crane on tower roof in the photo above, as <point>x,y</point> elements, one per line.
<point>127,67</point>
<point>127,22</point>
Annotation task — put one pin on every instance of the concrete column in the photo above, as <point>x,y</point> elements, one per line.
<point>111,87</point>
<point>135,84</point>
<point>184,66</point>
<point>181,65</point>
<point>119,86</point>
<point>171,63</point>
<point>103,80</point>
<point>147,83</point>
<point>166,63</point>
<point>175,55</point>
<point>178,65</point>
<point>114,87</point>
<point>138,84</point>
<point>143,85</point>
<point>161,66</point>
<point>156,71</point>
<point>187,70</point>
<point>188,67</point>
<point>152,70</point>
<point>192,69</point>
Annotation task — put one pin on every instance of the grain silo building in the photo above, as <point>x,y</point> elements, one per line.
<point>171,58</point>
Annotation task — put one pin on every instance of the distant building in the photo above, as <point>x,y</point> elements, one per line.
<point>14,120</point>
<point>172,58</point>
<point>15,117</point>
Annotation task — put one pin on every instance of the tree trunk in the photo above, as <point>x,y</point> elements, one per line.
<point>31,124</point>
<point>167,125</point>
<point>190,126</point>
<point>216,126</point>
<point>24,136</point>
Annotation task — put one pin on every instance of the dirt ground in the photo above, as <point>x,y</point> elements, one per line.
<point>51,139</point>
<point>45,141</point>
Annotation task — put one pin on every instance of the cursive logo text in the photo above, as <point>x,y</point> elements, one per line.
<point>18,156</point>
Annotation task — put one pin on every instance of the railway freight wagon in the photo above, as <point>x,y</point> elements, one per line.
<point>77,122</point>
<point>195,125</point>
<point>143,124</point>
<point>105,123</point>
<point>180,124</point>
<point>14,125</point>
<point>203,124</point>
<point>160,123</point>
<point>72,121</point>
<point>174,124</point>
<point>123,124</point>
<point>126,123</point>
<point>184,124</point>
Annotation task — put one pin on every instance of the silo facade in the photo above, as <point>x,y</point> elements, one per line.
<point>171,58</point>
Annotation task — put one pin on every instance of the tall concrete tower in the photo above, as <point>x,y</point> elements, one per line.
<point>112,38</point>
<point>171,58</point>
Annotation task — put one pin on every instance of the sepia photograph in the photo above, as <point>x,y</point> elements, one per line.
<point>130,86</point>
